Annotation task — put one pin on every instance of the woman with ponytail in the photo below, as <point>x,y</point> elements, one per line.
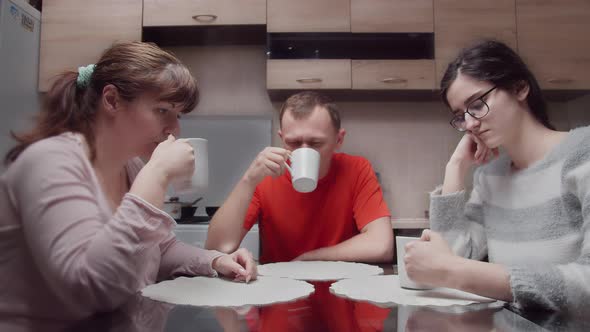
<point>81,225</point>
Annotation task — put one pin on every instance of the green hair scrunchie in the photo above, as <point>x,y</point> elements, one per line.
<point>84,74</point>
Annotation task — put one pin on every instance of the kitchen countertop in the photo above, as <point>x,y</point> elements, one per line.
<point>410,223</point>
<point>322,311</point>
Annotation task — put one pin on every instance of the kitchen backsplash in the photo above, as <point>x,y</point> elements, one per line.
<point>233,142</point>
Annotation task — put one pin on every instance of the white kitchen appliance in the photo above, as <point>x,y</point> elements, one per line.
<point>196,235</point>
<point>20,26</point>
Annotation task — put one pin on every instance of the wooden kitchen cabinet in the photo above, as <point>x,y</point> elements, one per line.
<point>392,16</point>
<point>203,12</point>
<point>553,40</point>
<point>308,74</point>
<point>308,16</point>
<point>75,33</point>
<point>393,74</point>
<point>459,23</point>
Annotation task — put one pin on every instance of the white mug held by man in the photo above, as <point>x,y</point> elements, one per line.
<point>304,169</point>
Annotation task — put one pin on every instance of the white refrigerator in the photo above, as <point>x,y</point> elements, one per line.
<point>20,26</point>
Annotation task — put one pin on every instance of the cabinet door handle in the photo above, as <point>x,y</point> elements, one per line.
<point>309,80</point>
<point>394,80</point>
<point>560,80</point>
<point>205,18</point>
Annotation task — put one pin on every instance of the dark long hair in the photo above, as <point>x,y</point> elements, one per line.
<point>495,62</point>
<point>134,68</point>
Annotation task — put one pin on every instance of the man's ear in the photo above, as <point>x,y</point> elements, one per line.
<point>521,90</point>
<point>340,138</point>
<point>111,100</point>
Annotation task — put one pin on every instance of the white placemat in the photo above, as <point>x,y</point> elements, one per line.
<point>217,292</point>
<point>318,270</point>
<point>385,290</point>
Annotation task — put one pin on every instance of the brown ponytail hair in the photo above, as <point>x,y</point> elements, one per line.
<point>134,68</point>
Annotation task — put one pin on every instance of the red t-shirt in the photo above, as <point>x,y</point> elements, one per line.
<point>292,223</point>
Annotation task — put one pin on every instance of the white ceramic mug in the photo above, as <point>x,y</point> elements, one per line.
<point>304,169</point>
<point>404,280</point>
<point>198,182</point>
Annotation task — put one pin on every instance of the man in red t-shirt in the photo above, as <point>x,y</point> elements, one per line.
<point>344,219</point>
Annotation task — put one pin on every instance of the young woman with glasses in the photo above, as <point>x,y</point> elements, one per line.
<point>529,208</point>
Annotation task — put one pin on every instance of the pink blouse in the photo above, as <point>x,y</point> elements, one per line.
<point>64,254</point>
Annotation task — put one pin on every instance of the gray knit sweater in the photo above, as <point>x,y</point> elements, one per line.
<point>535,221</point>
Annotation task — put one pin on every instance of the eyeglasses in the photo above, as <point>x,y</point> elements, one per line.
<point>478,108</point>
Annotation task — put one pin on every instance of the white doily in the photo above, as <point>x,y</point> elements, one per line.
<point>217,292</point>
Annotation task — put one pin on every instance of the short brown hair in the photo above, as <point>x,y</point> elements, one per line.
<point>133,67</point>
<point>303,103</point>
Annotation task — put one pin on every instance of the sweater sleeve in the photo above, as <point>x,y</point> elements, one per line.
<point>178,258</point>
<point>563,286</point>
<point>91,259</point>
<point>181,259</point>
<point>459,219</point>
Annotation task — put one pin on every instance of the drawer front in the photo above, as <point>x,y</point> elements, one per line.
<point>203,12</point>
<point>308,74</point>
<point>393,74</point>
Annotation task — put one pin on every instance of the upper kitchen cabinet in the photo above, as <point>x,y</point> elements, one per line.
<point>458,23</point>
<point>308,16</point>
<point>391,16</point>
<point>203,12</point>
<point>553,40</point>
<point>75,33</point>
